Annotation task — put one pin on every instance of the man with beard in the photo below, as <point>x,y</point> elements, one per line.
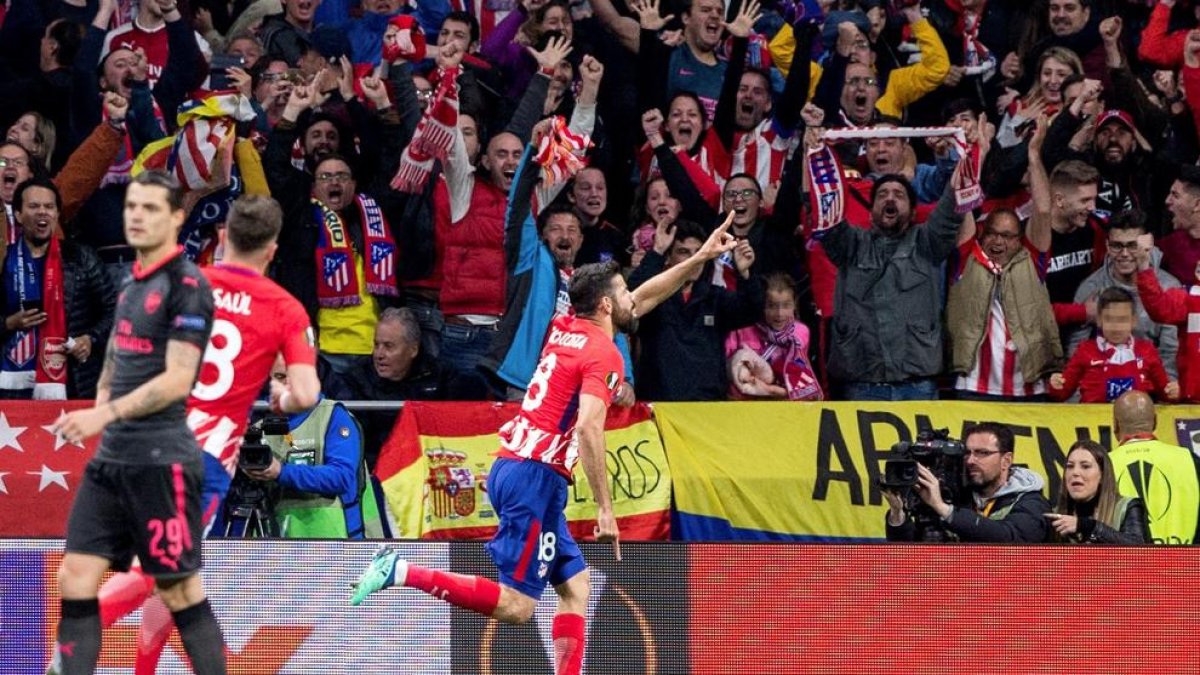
<point>1071,24</point>
<point>147,32</point>
<point>58,303</point>
<point>561,423</point>
<point>1005,502</point>
<point>1120,270</point>
<point>886,341</point>
<point>1003,339</point>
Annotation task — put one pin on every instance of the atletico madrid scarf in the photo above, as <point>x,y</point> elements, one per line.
<point>36,358</point>
<point>787,359</point>
<point>337,267</point>
<point>433,137</point>
<point>560,152</point>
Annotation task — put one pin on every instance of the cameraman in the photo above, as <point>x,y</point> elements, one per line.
<point>1007,503</point>
<point>325,490</point>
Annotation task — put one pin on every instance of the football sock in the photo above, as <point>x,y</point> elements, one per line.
<point>78,646</point>
<point>469,592</point>
<point>123,593</point>
<point>570,634</point>
<point>202,638</point>
<point>152,635</point>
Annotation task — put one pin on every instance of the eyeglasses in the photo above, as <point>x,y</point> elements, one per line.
<point>1122,245</point>
<point>861,82</point>
<point>745,193</point>
<point>980,454</point>
<point>15,162</point>
<point>339,176</point>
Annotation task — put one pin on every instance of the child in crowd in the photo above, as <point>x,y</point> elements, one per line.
<point>770,359</point>
<point>1114,362</point>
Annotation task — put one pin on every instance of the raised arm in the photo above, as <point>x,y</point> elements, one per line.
<point>663,285</point>
<point>1038,231</point>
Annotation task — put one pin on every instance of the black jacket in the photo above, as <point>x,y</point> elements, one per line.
<point>1015,514</point>
<point>90,302</point>
<point>1135,528</point>
<point>426,381</point>
<point>683,343</point>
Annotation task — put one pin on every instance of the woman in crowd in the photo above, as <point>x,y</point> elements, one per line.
<point>1089,510</point>
<point>34,132</point>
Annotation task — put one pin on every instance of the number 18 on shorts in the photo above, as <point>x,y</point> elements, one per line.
<point>532,546</point>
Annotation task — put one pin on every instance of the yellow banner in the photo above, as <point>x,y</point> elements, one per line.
<point>456,456</point>
<point>785,470</point>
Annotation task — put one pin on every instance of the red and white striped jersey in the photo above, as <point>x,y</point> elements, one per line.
<point>762,152</point>
<point>254,319</point>
<point>997,370</point>
<point>578,358</point>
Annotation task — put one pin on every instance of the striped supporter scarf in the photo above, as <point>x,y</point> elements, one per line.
<point>337,274</point>
<point>828,193</point>
<point>433,137</point>
<point>561,152</point>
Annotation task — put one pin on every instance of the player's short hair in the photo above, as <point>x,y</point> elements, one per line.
<point>407,319</point>
<point>166,181</point>
<point>1113,295</point>
<point>590,283</point>
<point>1073,173</point>
<point>1004,436</point>
<point>254,222</point>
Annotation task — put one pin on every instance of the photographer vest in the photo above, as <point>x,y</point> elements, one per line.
<point>1027,313</point>
<point>1165,477</point>
<point>307,515</point>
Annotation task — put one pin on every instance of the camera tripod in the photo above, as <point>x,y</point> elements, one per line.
<point>248,510</point>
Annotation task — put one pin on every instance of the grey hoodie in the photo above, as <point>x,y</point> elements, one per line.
<point>1164,337</point>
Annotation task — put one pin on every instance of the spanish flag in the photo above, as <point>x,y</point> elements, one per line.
<point>434,469</point>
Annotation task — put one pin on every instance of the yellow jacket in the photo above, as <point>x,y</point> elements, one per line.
<point>905,85</point>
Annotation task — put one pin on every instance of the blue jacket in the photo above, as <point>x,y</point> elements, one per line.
<point>533,287</point>
<point>338,475</point>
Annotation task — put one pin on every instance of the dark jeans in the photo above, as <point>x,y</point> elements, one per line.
<point>463,347</point>
<point>429,318</point>
<point>909,390</point>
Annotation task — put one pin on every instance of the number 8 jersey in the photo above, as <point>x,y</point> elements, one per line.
<point>254,320</point>
<point>578,358</point>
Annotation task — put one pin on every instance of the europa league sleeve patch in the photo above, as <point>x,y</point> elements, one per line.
<point>611,380</point>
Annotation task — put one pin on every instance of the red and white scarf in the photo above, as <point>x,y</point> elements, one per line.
<point>828,187</point>
<point>337,267</point>
<point>50,372</point>
<point>561,152</point>
<point>433,138</point>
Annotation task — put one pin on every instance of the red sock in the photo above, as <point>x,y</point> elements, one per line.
<point>152,635</point>
<point>570,634</point>
<point>469,592</point>
<point>123,593</point>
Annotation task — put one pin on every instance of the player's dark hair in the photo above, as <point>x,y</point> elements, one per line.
<point>1004,436</point>
<point>1114,295</point>
<point>590,283</point>
<point>37,181</point>
<point>166,181</point>
<point>254,222</point>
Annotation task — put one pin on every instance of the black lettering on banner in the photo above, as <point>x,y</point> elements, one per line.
<point>872,454</point>
<point>830,441</point>
<point>631,474</point>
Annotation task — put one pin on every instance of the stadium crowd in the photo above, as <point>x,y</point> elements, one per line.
<point>1048,250</point>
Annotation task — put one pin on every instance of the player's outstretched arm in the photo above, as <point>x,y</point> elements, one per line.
<point>589,429</point>
<point>664,284</point>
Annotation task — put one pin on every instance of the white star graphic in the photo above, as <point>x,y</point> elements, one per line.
<point>9,435</point>
<point>59,441</point>
<point>1182,425</point>
<point>48,477</point>
<point>3,487</point>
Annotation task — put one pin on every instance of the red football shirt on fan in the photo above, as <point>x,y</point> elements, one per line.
<point>132,36</point>
<point>579,358</point>
<point>253,321</point>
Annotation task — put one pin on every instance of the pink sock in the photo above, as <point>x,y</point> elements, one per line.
<point>152,635</point>
<point>469,592</point>
<point>123,593</point>
<point>570,634</point>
